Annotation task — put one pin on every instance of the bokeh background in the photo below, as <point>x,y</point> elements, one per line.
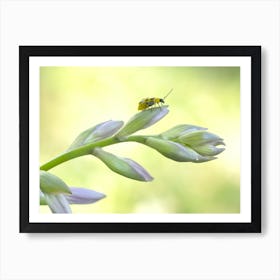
<point>73,99</point>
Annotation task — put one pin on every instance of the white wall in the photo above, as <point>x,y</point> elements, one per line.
<point>139,256</point>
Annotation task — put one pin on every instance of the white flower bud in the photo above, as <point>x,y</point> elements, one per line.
<point>96,133</point>
<point>142,120</point>
<point>52,184</point>
<point>123,166</point>
<point>175,151</point>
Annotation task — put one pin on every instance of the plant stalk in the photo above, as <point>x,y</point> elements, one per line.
<point>78,152</point>
<point>87,149</point>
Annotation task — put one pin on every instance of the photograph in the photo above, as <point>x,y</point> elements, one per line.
<point>140,135</point>
<point>180,153</point>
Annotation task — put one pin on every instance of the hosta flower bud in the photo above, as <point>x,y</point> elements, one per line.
<point>57,203</point>
<point>123,166</point>
<point>83,196</point>
<point>142,120</point>
<point>78,196</point>
<point>179,130</point>
<point>51,184</point>
<point>198,138</point>
<point>97,133</point>
<point>202,142</point>
<point>208,150</point>
<point>54,189</point>
<point>175,151</point>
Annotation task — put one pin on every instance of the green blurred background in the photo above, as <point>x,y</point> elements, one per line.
<point>73,99</point>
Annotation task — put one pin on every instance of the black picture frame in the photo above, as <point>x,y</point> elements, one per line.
<point>254,52</point>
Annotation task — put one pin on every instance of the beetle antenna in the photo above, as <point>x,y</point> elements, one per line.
<point>167,94</point>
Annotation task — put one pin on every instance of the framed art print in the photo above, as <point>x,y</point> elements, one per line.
<point>140,138</point>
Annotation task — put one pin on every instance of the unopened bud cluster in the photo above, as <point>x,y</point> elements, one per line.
<point>183,143</point>
<point>57,195</point>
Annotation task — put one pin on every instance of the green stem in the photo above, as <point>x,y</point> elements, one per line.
<point>86,150</point>
<point>137,138</point>
<point>78,152</point>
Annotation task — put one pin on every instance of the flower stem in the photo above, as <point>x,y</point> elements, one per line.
<point>78,152</point>
<point>87,149</point>
<point>137,138</point>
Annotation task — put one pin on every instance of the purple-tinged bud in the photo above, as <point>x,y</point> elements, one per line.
<point>179,130</point>
<point>123,166</point>
<point>175,151</point>
<point>198,138</point>
<point>78,196</point>
<point>143,120</point>
<point>58,203</point>
<point>51,184</point>
<point>83,196</point>
<point>202,142</point>
<point>96,133</point>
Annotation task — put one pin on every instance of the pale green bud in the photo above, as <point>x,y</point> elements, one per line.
<point>52,192</point>
<point>175,150</point>
<point>96,133</point>
<point>123,166</point>
<point>208,150</point>
<point>57,203</point>
<point>42,199</point>
<point>179,130</point>
<point>51,184</point>
<point>198,138</point>
<point>202,142</point>
<point>142,120</point>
